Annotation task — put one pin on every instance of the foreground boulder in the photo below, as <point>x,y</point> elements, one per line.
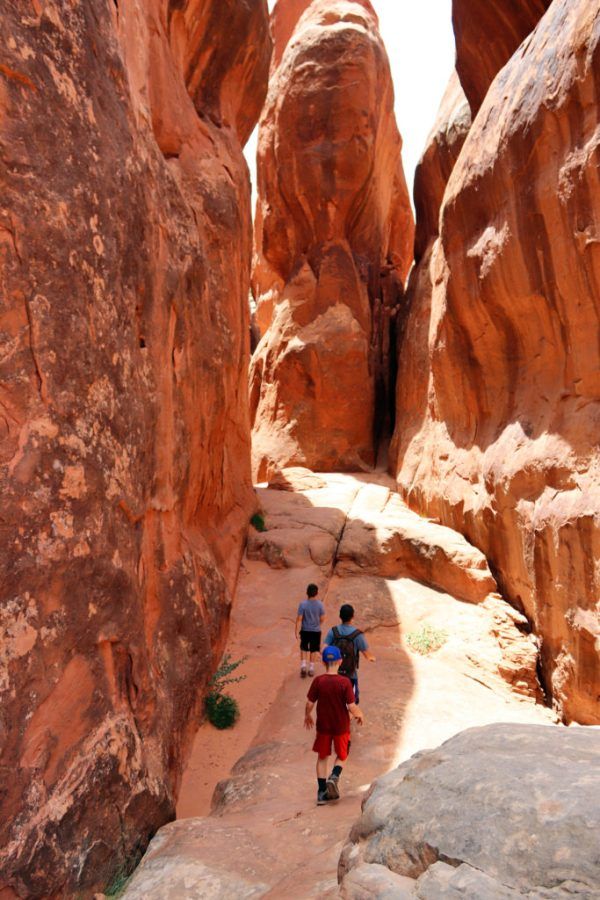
<point>489,814</point>
<point>333,241</point>
<point>124,457</point>
<point>497,432</point>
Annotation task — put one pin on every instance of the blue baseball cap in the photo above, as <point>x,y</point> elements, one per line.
<point>331,654</point>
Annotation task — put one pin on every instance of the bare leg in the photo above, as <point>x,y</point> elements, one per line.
<point>322,766</point>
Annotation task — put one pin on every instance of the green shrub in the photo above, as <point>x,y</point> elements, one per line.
<point>427,639</point>
<point>222,710</point>
<point>258,522</point>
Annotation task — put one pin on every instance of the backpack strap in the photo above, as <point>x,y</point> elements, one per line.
<point>353,635</point>
<point>336,634</point>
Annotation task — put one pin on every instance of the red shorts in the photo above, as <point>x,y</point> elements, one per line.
<point>341,743</point>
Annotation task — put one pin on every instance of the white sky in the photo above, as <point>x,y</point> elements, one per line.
<point>420,44</point>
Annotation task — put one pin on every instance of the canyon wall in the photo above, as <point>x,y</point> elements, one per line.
<point>487,34</point>
<point>125,246</point>
<point>499,385</point>
<point>333,241</point>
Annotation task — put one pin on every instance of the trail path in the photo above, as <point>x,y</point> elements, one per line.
<point>265,836</point>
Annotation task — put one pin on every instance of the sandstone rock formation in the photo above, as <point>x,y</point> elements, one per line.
<point>333,241</point>
<point>489,814</point>
<point>499,384</point>
<point>124,468</point>
<point>487,34</point>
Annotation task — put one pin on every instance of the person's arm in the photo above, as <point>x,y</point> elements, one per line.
<point>364,648</point>
<point>328,639</point>
<point>356,712</point>
<point>298,624</point>
<point>308,719</point>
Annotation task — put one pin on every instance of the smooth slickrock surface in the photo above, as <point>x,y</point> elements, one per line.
<point>333,239</point>
<point>248,822</point>
<point>497,435</point>
<point>495,804</point>
<point>487,34</point>
<point>124,462</point>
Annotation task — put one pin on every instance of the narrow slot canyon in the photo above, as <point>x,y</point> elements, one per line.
<point>218,388</point>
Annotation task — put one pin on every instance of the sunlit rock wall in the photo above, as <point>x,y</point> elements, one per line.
<point>500,437</point>
<point>333,241</point>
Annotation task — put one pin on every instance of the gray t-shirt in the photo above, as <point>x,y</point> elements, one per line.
<point>311,612</point>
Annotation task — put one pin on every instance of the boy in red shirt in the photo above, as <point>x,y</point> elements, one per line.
<point>334,696</point>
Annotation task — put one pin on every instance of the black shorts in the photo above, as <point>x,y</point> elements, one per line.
<point>310,641</point>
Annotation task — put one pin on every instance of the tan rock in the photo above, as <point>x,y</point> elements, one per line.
<point>333,238</point>
<point>384,537</point>
<point>124,463</point>
<point>465,803</point>
<point>498,399</point>
<point>487,34</point>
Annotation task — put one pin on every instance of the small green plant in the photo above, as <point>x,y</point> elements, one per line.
<point>117,885</point>
<point>222,709</point>
<point>427,639</point>
<point>258,522</point>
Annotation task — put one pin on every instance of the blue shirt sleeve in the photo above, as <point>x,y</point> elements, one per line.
<point>300,608</point>
<point>361,642</point>
<point>329,636</point>
<point>321,609</point>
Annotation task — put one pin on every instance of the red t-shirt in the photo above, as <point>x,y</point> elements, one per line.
<point>332,694</point>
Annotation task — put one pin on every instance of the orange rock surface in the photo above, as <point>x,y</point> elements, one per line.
<point>125,244</point>
<point>333,241</point>
<point>487,34</point>
<point>499,387</point>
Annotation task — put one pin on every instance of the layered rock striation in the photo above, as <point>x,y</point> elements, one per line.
<point>125,244</point>
<point>332,243</point>
<point>499,386</point>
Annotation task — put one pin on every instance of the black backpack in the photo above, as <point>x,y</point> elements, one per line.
<point>345,643</point>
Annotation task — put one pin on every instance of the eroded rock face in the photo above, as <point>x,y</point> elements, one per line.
<point>494,803</point>
<point>333,242</point>
<point>124,463</point>
<point>497,435</point>
<point>487,34</point>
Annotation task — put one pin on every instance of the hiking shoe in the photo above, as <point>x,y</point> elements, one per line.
<point>322,798</point>
<point>332,788</point>
<point>311,673</point>
<point>302,673</point>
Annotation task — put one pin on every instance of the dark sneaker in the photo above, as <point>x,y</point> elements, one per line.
<point>333,788</point>
<point>302,673</point>
<point>322,798</point>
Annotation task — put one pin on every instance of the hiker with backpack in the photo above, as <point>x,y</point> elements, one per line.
<point>334,697</point>
<point>351,642</point>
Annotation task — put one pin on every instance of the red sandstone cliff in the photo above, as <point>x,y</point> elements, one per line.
<point>124,458</point>
<point>499,438</point>
<point>333,240</point>
<point>487,34</point>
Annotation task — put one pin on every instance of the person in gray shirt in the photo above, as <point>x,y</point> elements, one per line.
<point>309,618</point>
